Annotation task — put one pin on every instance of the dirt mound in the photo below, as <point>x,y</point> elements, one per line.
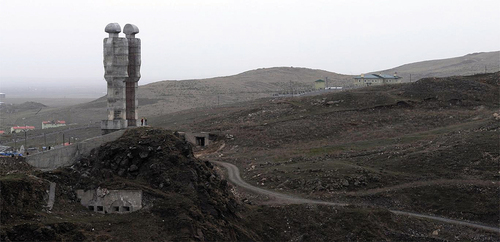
<point>184,192</point>
<point>20,195</point>
<point>158,158</point>
<point>14,165</point>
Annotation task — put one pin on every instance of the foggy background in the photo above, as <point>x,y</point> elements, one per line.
<point>56,45</point>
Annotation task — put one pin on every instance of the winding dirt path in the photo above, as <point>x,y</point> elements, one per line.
<point>235,178</point>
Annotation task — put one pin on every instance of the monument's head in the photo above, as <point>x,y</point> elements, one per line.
<point>130,30</point>
<point>113,29</point>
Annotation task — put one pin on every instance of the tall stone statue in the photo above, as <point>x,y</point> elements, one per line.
<point>134,72</point>
<point>122,60</point>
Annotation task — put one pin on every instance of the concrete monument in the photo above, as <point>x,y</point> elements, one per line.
<point>122,61</point>
<point>134,74</point>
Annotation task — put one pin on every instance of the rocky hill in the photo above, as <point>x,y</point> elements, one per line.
<point>184,198</point>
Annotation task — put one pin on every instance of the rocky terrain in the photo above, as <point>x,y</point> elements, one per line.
<point>429,146</point>
<point>185,199</point>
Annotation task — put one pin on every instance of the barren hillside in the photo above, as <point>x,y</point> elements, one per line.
<point>430,146</point>
<point>166,97</point>
<point>250,85</point>
<point>459,66</point>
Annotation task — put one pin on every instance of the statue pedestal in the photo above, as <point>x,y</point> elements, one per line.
<point>109,126</point>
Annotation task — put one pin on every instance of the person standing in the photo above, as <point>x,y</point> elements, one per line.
<point>142,121</point>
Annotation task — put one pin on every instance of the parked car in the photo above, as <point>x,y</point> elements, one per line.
<point>10,154</point>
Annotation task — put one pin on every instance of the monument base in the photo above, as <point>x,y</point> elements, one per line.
<point>109,126</point>
<point>131,122</point>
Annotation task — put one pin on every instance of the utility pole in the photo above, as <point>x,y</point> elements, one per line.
<point>25,136</point>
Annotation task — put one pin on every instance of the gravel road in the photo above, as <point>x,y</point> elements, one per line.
<point>279,198</point>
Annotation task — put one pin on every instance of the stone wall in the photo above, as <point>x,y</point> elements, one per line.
<point>66,156</point>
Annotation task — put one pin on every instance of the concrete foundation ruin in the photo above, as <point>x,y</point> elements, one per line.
<point>102,200</point>
<point>122,63</point>
<point>201,139</point>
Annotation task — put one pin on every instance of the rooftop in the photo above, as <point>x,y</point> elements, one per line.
<point>377,76</point>
<point>54,122</point>
<point>24,127</point>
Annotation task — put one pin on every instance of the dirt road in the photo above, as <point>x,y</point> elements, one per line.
<point>279,198</point>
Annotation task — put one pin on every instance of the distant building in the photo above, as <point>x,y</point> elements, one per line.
<point>19,129</point>
<point>319,84</point>
<point>2,132</point>
<point>2,95</point>
<point>53,124</point>
<point>376,79</point>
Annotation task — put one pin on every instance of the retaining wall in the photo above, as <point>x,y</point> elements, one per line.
<point>66,156</point>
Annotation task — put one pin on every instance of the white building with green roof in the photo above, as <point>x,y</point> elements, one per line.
<point>376,79</point>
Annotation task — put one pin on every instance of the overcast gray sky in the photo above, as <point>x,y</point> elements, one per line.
<point>58,41</point>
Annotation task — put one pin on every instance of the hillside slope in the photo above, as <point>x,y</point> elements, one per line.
<point>430,146</point>
<point>171,96</point>
<point>165,97</point>
<point>459,66</point>
<point>250,85</point>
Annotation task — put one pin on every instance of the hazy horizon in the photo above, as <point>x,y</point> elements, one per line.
<point>58,44</point>
<point>84,90</point>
